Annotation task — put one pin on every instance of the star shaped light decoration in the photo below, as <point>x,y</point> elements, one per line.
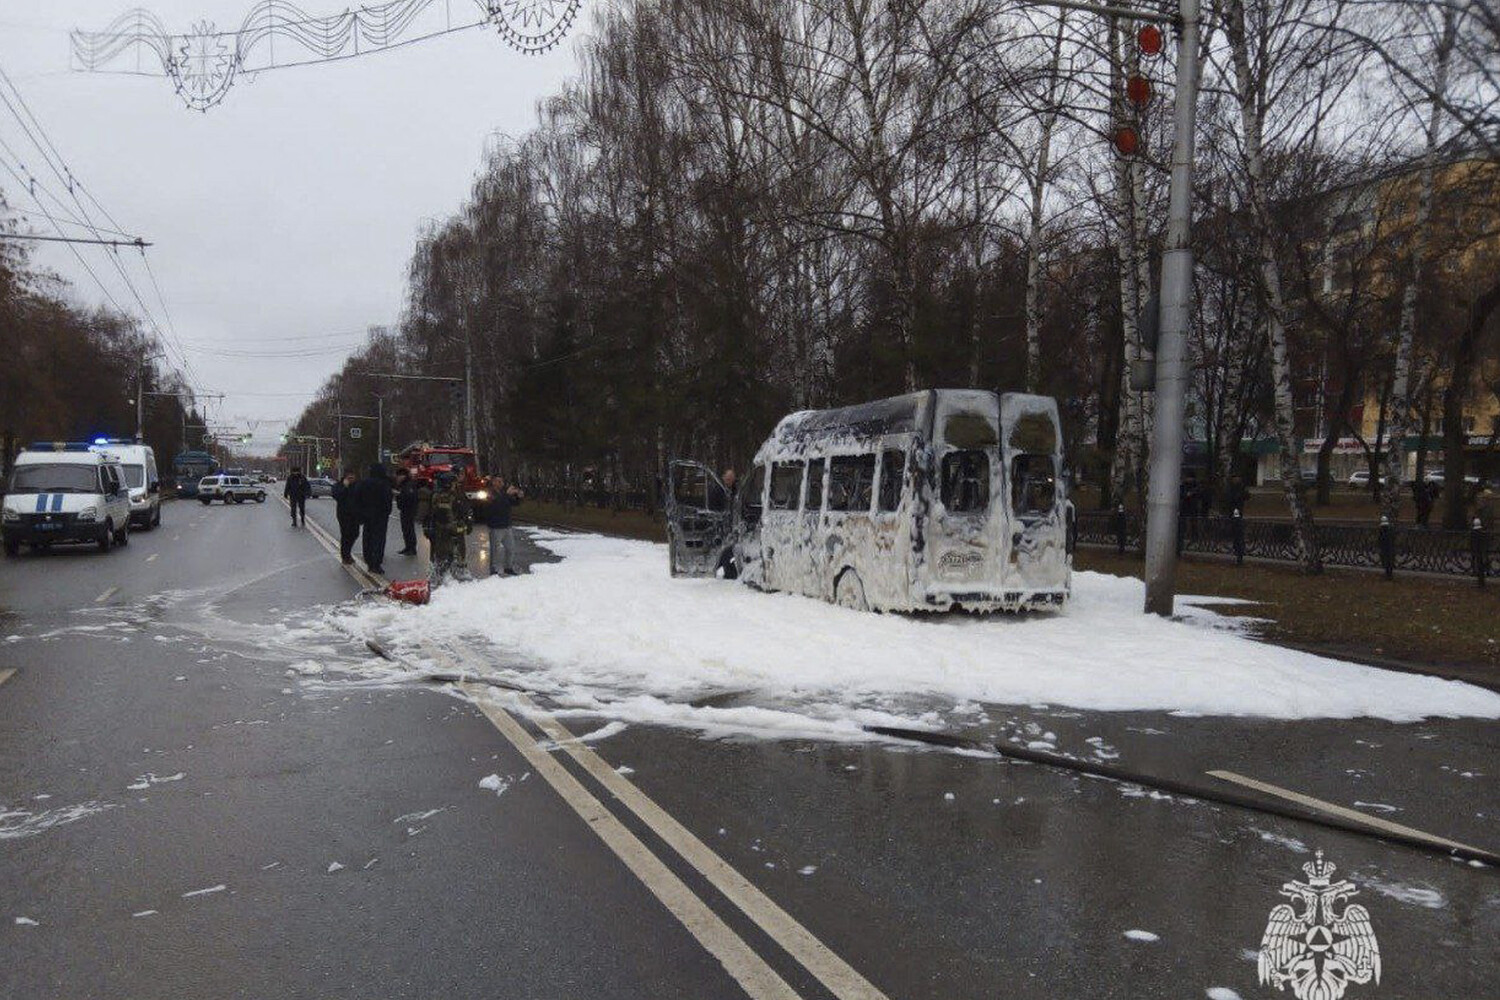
<point>202,66</point>
<point>532,25</point>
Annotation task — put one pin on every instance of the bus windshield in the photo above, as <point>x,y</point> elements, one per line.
<point>55,479</point>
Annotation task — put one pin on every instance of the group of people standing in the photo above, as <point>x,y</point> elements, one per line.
<point>446,513</point>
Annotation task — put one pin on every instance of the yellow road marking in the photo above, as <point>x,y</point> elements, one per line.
<point>752,972</point>
<point>739,959</point>
<point>361,576</point>
<point>1373,822</point>
<point>111,592</point>
<point>838,976</point>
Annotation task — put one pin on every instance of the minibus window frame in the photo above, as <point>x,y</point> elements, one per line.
<point>883,478</point>
<point>794,497</point>
<point>860,469</point>
<point>809,482</point>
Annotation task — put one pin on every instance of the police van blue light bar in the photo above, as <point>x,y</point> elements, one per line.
<point>59,446</point>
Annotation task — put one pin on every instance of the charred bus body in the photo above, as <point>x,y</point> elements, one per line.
<point>929,501</point>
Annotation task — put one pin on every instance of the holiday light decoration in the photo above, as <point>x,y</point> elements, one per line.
<point>204,61</point>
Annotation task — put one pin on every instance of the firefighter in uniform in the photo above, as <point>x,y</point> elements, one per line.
<point>446,517</point>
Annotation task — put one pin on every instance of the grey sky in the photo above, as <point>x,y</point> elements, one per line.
<point>288,211</point>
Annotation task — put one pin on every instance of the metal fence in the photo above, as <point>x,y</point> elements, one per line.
<point>1403,549</point>
<point>604,499</point>
<point>1411,549</point>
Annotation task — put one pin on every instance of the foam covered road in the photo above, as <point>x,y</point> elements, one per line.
<point>201,726</point>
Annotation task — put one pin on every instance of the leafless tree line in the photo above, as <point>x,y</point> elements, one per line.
<point>742,207</point>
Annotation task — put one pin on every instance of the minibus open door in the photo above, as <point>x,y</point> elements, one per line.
<point>698,510</point>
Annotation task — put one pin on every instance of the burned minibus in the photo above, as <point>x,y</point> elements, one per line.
<point>929,501</point>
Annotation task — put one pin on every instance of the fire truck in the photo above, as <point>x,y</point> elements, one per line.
<point>424,461</point>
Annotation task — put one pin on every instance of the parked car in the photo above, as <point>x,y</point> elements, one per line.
<point>1439,476</point>
<point>1361,479</point>
<point>230,489</point>
<point>321,487</point>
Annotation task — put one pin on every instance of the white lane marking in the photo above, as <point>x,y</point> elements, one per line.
<point>6,674</point>
<point>204,892</point>
<point>757,978</point>
<point>361,576</point>
<point>152,557</point>
<point>111,592</point>
<point>838,976</point>
<point>1374,822</point>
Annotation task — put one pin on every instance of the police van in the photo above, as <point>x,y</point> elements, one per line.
<point>65,492</point>
<point>138,465</point>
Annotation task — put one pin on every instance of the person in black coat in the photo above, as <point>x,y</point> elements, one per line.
<point>348,515</point>
<point>372,503</point>
<point>408,495</point>
<point>297,490</point>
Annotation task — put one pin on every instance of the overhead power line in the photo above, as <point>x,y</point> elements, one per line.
<point>137,242</point>
<point>31,126</point>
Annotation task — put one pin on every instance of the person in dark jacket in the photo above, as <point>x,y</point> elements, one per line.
<point>496,514</point>
<point>372,502</point>
<point>348,515</point>
<point>297,490</point>
<point>408,495</point>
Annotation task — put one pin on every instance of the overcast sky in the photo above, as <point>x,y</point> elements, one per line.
<point>288,211</point>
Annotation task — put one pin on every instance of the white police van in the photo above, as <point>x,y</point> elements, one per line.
<point>138,466</point>
<point>65,492</point>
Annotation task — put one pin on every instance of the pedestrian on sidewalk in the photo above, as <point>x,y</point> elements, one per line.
<point>348,515</point>
<point>297,490</point>
<point>496,513</point>
<point>408,495</point>
<point>372,501</point>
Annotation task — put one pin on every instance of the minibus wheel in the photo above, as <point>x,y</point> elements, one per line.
<point>849,591</point>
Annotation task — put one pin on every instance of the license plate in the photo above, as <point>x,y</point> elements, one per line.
<point>48,527</point>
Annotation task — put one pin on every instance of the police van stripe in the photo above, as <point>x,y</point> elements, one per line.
<point>57,499</point>
<point>41,502</point>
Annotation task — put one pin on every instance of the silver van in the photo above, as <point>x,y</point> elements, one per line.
<point>929,501</point>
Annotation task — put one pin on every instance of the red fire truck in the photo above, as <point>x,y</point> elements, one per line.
<point>424,461</point>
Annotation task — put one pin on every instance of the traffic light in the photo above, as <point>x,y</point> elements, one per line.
<point>1138,91</point>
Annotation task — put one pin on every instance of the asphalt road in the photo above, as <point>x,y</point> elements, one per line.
<point>189,808</point>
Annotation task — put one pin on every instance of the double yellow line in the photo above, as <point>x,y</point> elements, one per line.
<point>747,967</point>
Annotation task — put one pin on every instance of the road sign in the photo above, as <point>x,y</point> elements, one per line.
<point>355,432</point>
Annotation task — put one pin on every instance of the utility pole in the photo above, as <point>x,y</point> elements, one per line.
<point>469,435</point>
<point>467,380</point>
<point>1172,370</point>
<point>140,397</point>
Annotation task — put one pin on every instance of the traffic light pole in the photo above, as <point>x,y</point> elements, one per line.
<point>1172,369</point>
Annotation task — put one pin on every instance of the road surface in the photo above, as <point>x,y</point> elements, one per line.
<point>190,807</point>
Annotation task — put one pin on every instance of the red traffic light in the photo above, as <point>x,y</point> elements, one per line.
<point>1127,141</point>
<point>1149,40</point>
<point>1138,89</point>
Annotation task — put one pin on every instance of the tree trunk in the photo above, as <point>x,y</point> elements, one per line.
<point>1270,274</point>
<point>1130,433</point>
<point>1034,237</point>
<point>1455,464</point>
<point>1403,383</point>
